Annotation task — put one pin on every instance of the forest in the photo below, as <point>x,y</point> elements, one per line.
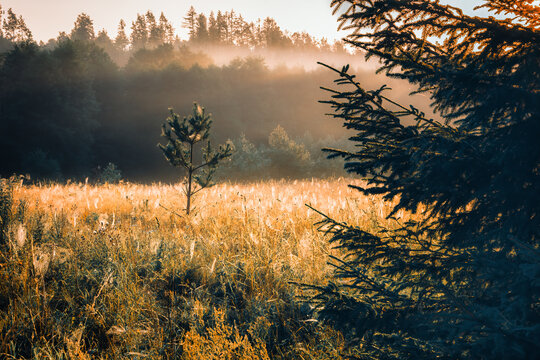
<point>74,104</point>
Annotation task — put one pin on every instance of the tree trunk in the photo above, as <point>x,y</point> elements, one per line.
<point>190,173</point>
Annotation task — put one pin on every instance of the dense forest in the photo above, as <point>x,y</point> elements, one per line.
<point>72,105</point>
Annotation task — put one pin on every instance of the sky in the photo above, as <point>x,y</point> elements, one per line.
<point>46,18</point>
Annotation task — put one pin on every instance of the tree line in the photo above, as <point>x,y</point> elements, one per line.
<point>150,31</point>
<point>230,28</point>
<point>67,110</point>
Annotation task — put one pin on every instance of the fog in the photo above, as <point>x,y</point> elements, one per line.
<point>69,110</point>
<point>79,102</point>
<point>290,58</point>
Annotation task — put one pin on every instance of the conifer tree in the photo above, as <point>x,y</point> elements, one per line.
<point>190,22</point>
<point>182,136</point>
<point>104,41</point>
<point>121,41</point>
<point>213,31</point>
<point>139,33</point>
<point>273,35</point>
<point>15,28</point>
<point>460,279</point>
<point>202,29</point>
<point>1,19</point>
<point>83,29</point>
<point>166,30</point>
<point>221,25</point>
<point>10,25</point>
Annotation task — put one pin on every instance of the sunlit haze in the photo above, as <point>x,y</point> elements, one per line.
<point>47,18</point>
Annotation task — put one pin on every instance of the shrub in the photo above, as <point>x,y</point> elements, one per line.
<point>110,174</point>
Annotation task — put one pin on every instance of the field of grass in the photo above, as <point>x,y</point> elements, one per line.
<point>117,271</point>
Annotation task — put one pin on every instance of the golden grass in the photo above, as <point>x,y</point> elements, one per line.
<point>118,271</point>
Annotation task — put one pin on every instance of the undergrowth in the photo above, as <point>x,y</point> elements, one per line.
<point>116,271</point>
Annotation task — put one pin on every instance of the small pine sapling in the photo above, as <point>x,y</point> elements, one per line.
<point>182,136</point>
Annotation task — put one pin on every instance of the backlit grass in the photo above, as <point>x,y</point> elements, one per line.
<point>118,271</point>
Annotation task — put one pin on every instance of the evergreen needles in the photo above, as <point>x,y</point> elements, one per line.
<point>461,280</point>
<point>182,136</point>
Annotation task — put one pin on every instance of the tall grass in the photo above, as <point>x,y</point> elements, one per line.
<point>118,271</point>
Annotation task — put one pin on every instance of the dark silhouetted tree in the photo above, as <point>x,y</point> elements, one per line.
<point>166,30</point>
<point>83,29</point>
<point>201,34</point>
<point>213,31</point>
<point>104,41</point>
<point>15,28</point>
<point>190,23</point>
<point>459,279</point>
<point>156,36</point>
<point>54,92</point>
<point>1,21</point>
<point>139,33</point>
<point>272,34</point>
<point>121,41</point>
<point>182,136</point>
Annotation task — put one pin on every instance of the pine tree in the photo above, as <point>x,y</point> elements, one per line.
<point>229,21</point>
<point>166,30</point>
<point>221,27</point>
<point>83,29</point>
<point>104,41</point>
<point>190,22</point>
<point>460,279</point>
<point>15,28</point>
<point>1,21</point>
<point>273,36</point>
<point>139,33</point>
<point>213,31</point>
<point>10,25</point>
<point>244,33</point>
<point>182,136</point>
<point>156,35</point>
<point>121,41</point>
<point>201,34</point>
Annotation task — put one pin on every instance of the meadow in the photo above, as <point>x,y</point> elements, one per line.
<point>118,271</point>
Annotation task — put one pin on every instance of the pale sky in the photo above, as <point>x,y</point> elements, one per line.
<point>46,18</point>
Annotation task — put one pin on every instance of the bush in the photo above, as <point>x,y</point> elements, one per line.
<point>110,174</point>
<point>281,157</point>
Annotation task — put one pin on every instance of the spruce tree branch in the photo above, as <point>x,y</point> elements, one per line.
<point>351,80</point>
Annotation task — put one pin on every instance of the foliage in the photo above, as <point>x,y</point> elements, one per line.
<point>83,29</point>
<point>81,110</point>
<point>6,208</point>
<point>14,28</point>
<point>286,153</point>
<point>105,272</point>
<point>222,342</point>
<point>110,174</point>
<point>182,136</point>
<point>281,157</point>
<point>59,85</point>
<point>230,28</point>
<point>164,56</point>
<point>461,279</point>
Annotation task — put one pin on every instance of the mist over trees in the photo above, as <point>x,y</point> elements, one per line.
<point>84,99</point>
